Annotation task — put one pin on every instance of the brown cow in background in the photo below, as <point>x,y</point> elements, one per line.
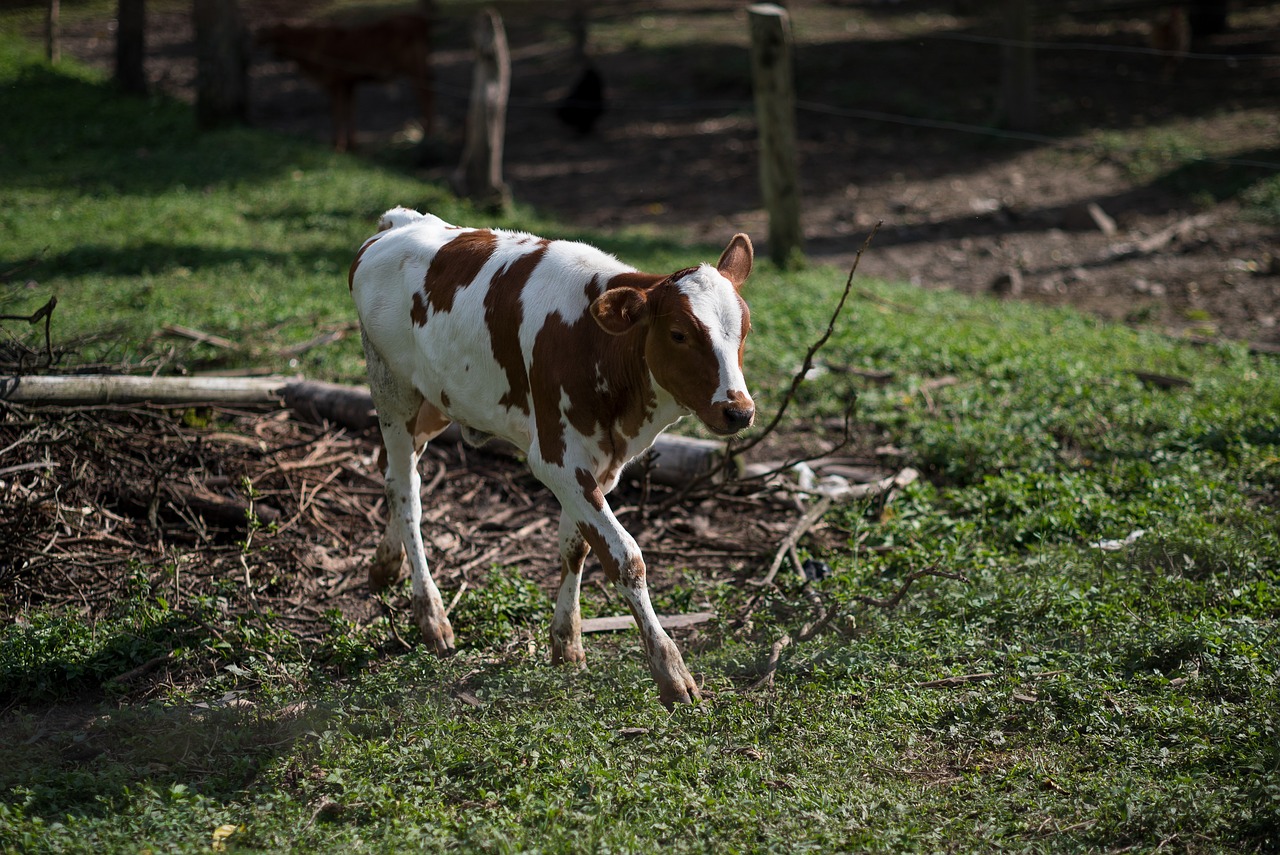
<point>338,56</point>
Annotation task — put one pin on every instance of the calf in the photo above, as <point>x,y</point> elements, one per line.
<point>576,358</point>
<point>338,56</point>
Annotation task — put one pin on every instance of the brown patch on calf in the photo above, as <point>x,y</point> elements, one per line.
<point>503,314</point>
<point>590,488</point>
<point>454,266</point>
<point>631,572</point>
<point>688,370</point>
<point>574,359</point>
<point>418,314</point>
<point>351,274</point>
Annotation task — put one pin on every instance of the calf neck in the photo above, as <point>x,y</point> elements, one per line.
<point>559,348</point>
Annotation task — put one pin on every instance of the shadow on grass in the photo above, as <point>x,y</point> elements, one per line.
<point>79,760</point>
<point>81,135</point>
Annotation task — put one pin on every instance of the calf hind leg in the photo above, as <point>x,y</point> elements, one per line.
<point>407,422</point>
<point>566,625</point>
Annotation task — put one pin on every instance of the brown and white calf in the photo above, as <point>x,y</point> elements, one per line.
<point>556,346</point>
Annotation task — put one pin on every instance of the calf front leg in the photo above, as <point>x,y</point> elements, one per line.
<point>584,505</point>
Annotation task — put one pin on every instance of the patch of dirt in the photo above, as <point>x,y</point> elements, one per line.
<point>100,504</point>
<point>676,150</point>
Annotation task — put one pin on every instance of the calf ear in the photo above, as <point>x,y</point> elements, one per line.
<point>619,309</point>
<point>735,261</point>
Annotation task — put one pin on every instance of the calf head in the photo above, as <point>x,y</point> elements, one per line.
<point>695,326</point>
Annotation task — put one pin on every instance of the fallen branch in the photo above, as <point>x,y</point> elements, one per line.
<point>811,516</point>
<point>199,336</point>
<point>828,613</point>
<point>1158,241</point>
<point>798,531</point>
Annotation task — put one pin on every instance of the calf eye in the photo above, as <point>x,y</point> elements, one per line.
<point>677,336</point>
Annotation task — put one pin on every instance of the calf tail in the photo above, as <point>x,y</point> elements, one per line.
<point>397,217</point>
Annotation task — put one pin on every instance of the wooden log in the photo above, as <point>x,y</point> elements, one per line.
<point>676,460</point>
<point>97,389</point>
<point>775,98</point>
<point>349,406</point>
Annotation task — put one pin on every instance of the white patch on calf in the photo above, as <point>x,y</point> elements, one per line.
<point>715,304</point>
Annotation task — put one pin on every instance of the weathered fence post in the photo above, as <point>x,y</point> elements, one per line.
<point>222,63</point>
<point>131,46</point>
<point>1018,70</point>
<point>53,31</point>
<point>776,119</point>
<point>479,175</point>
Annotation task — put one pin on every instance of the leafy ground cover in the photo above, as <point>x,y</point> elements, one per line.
<point>1065,697</point>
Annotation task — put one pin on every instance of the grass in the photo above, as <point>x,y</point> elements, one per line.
<point>1130,697</point>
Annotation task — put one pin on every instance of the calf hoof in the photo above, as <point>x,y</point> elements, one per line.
<point>387,563</point>
<point>675,683</point>
<point>567,653</point>
<point>436,631</point>
<point>678,689</point>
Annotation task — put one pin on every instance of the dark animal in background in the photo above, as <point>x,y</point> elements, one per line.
<point>339,56</point>
<point>1171,33</point>
<point>584,104</point>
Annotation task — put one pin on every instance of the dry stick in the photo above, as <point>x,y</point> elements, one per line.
<point>44,313</point>
<point>796,380</point>
<point>811,517</point>
<point>829,613</point>
<point>770,667</point>
<point>806,522</point>
<point>845,439</point>
<point>892,602</point>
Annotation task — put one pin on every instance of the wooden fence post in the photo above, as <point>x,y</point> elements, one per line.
<point>53,31</point>
<point>479,175</point>
<point>1018,69</point>
<point>222,64</point>
<point>131,46</point>
<point>776,119</point>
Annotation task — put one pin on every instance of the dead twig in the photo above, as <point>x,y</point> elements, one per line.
<point>956,680</point>
<point>798,531</point>
<point>912,578</point>
<point>770,667</point>
<point>44,313</point>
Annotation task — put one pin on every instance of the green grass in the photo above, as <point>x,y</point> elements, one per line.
<point>1133,695</point>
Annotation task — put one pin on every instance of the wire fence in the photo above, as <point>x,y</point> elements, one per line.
<point>717,107</point>
<point>726,106</point>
